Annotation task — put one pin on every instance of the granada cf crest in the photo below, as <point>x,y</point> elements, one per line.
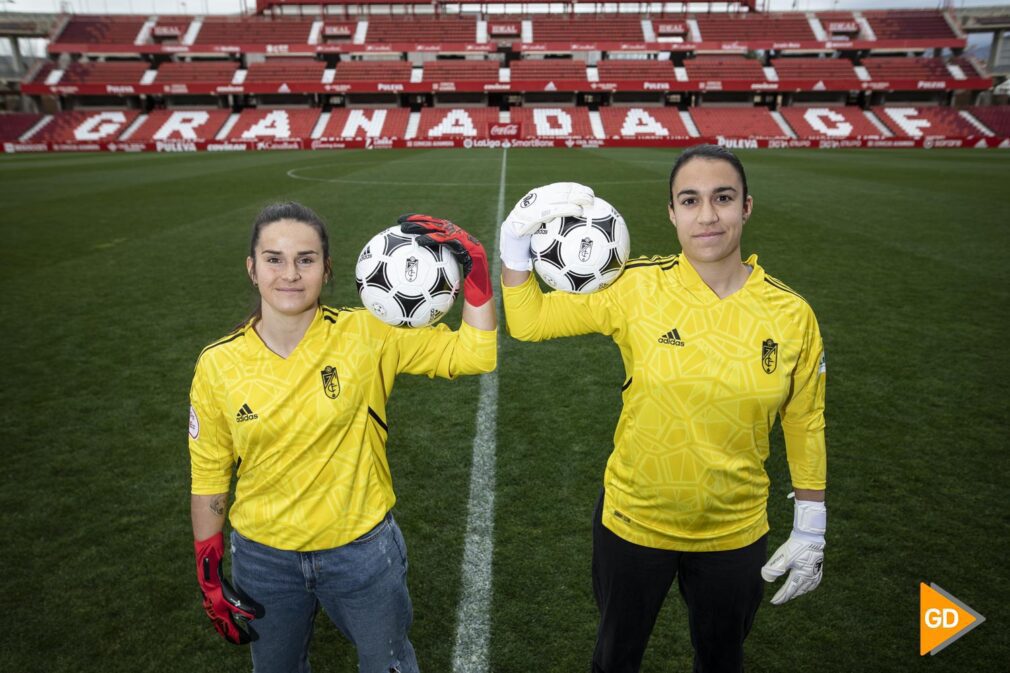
<point>331,382</point>
<point>410,270</point>
<point>585,249</point>
<point>769,355</point>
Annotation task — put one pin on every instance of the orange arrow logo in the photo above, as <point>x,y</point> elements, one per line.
<point>942,619</point>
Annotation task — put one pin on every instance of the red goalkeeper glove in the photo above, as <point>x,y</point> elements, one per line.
<point>228,610</point>
<point>467,250</point>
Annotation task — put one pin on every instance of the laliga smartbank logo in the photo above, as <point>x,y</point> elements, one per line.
<point>942,619</point>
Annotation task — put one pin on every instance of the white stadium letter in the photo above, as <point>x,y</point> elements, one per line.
<point>816,116</point>
<point>640,122</point>
<point>358,120</point>
<point>905,118</point>
<point>546,128</point>
<point>274,125</point>
<point>100,126</point>
<point>183,123</point>
<point>455,123</point>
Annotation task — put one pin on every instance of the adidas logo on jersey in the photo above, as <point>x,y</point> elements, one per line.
<point>671,338</point>
<point>246,414</point>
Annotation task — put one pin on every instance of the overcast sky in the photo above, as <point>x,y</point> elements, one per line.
<point>236,6</point>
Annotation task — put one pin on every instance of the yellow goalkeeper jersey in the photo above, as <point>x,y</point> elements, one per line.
<point>309,432</point>
<point>705,378</point>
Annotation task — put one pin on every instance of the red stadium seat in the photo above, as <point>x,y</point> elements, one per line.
<point>642,123</point>
<point>547,69</point>
<point>287,70</point>
<point>459,70</point>
<point>436,123</point>
<point>174,125</point>
<point>813,68</point>
<point>264,124</point>
<point>883,68</point>
<point>724,67</point>
<point>216,30</point>
<point>830,122</point>
<point>422,29</point>
<point>85,126</point>
<point>101,30</point>
<point>347,123</point>
<point>925,122</point>
<point>634,69</point>
<point>595,28</point>
<point>754,26</point>
<point>14,125</point>
<point>553,122</point>
<point>738,122</point>
<point>893,24</point>
<point>216,72</point>
<point>370,71</point>
<point>110,72</point>
<point>997,118</point>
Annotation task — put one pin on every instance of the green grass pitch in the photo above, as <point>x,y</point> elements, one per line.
<point>117,269</point>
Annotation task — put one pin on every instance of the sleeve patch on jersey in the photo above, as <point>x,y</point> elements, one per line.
<point>194,423</point>
<point>823,366</point>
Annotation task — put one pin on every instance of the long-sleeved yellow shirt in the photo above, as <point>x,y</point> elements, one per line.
<point>309,432</point>
<point>705,378</point>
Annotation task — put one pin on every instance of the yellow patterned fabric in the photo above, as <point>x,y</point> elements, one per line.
<point>309,432</point>
<point>705,378</point>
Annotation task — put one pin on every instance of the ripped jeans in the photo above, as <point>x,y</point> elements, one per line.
<point>362,587</point>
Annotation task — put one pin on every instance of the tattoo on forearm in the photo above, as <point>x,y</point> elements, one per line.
<point>217,505</point>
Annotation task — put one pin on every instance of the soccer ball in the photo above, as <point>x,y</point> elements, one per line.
<point>582,254</point>
<point>405,284</point>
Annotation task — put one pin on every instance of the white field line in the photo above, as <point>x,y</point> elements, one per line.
<point>473,620</point>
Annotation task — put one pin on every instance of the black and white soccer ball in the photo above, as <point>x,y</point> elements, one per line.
<point>582,254</point>
<point>405,284</point>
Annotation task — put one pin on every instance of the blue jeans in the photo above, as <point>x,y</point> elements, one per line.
<point>361,585</point>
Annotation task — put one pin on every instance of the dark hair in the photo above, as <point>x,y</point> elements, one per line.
<point>289,210</point>
<point>707,152</point>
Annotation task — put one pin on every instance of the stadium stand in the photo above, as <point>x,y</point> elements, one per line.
<point>756,27</point>
<point>173,125</point>
<point>548,68</point>
<point>438,123</point>
<point>458,70</point>
<point>925,122</point>
<point>83,126</point>
<point>724,67</point>
<point>830,122</point>
<point>365,71</point>
<point>746,122</point>
<point>14,125</point>
<point>274,124</point>
<point>384,29</point>
<point>997,119</point>
<point>893,24</point>
<point>840,25</point>
<point>806,67</point>
<point>887,67</point>
<point>110,72</point>
<point>82,29</point>
<point>210,72</point>
<point>635,122</point>
<point>553,122</point>
<point>596,28</point>
<point>635,69</point>
<point>350,123</point>
<point>286,70</point>
<point>251,30</point>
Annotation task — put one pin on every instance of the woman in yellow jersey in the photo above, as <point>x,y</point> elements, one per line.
<point>713,348</point>
<point>295,402</point>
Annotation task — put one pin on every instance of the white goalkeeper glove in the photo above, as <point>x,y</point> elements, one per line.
<point>802,554</point>
<point>540,205</point>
